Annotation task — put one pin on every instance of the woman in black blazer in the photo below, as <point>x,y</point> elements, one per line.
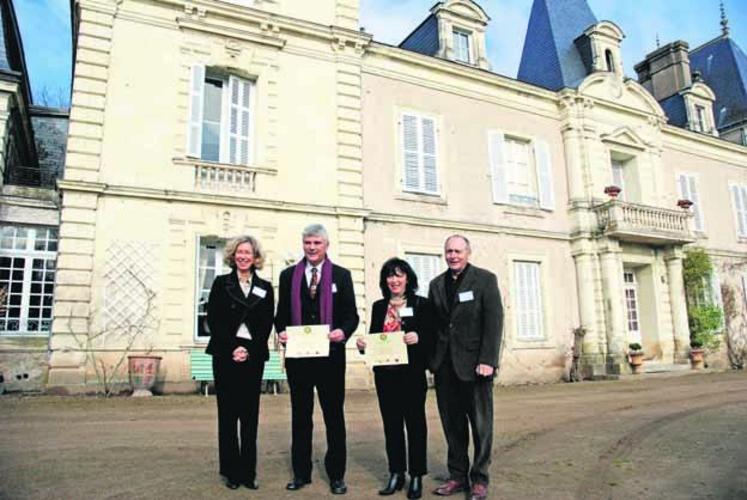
<point>239,314</point>
<point>401,389</point>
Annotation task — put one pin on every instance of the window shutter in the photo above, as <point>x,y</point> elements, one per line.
<point>739,193</point>
<point>696,208</point>
<point>528,301</point>
<point>239,119</point>
<point>196,103</point>
<point>716,298</point>
<point>544,174</point>
<point>430,175</point>
<point>498,167</point>
<point>618,177</point>
<point>410,152</point>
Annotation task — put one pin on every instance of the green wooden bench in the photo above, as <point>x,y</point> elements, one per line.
<point>201,369</point>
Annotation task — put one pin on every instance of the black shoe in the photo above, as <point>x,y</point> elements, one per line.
<point>396,483</point>
<point>297,484</point>
<point>338,487</point>
<point>252,485</point>
<point>231,484</point>
<point>416,487</point>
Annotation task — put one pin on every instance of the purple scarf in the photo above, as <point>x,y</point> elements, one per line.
<point>325,293</point>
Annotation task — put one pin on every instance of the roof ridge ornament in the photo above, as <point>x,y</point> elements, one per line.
<point>724,20</point>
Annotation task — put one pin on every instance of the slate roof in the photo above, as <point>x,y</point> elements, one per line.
<point>723,66</point>
<point>674,108</point>
<point>550,58</point>
<point>424,39</point>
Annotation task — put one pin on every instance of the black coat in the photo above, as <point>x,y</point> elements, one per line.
<point>344,312</point>
<point>471,328</point>
<point>420,322</point>
<point>228,308</point>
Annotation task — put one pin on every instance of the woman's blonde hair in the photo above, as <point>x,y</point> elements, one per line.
<point>229,253</point>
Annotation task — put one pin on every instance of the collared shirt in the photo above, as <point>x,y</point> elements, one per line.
<point>318,272</point>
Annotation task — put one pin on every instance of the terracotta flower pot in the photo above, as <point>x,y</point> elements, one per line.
<point>143,370</point>
<point>697,358</point>
<point>684,204</point>
<point>635,358</point>
<point>612,191</point>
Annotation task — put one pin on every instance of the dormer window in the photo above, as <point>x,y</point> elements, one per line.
<point>610,60</point>
<point>700,118</point>
<point>462,45</point>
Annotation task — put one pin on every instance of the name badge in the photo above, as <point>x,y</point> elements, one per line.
<point>466,296</point>
<point>259,292</point>
<point>334,288</point>
<point>405,312</point>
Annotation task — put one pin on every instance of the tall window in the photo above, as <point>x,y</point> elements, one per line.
<point>521,171</point>
<point>27,270</point>
<point>610,60</point>
<point>462,51</point>
<point>618,176</point>
<point>739,202</point>
<point>528,301</point>
<point>419,150</point>
<point>689,191</point>
<point>220,117</point>
<point>631,306</point>
<point>426,267</point>
<point>209,265</point>
<point>700,118</point>
<point>521,177</point>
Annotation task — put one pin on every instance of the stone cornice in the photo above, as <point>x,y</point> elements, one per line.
<point>707,146</point>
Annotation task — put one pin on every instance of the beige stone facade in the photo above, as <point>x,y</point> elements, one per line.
<point>393,151</point>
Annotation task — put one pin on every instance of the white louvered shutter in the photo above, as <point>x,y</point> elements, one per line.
<point>528,301</point>
<point>497,155</point>
<point>544,175</point>
<point>426,267</point>
<point>689,191</point>
<point>410,152</point>
<point>196,104</point>
<point>618,177</point>
<point>239,120</point>
<point>739,200</point>
<point>430,175</point>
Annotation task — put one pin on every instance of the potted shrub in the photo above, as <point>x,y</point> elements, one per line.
<point>697,354</point>
<point>635,357</point>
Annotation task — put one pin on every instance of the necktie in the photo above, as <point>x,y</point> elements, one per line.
<point>314,283</point>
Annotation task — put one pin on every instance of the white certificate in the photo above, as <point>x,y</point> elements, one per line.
<point>307,341</point>
<point>384,349</point>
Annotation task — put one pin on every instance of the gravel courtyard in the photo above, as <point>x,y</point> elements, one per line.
<point>653,437</point>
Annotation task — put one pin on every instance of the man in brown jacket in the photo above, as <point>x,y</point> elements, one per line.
<point>469,317</point>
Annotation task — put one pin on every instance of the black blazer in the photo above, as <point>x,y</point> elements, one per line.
<point>344,311</point>
<point>472,328</point>
<point>228,308</point>
<point>421,322</point>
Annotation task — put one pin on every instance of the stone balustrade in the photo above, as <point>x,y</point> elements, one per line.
<point>644,223</point>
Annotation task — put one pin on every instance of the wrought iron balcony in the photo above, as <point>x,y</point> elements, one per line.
<point>638,223</point>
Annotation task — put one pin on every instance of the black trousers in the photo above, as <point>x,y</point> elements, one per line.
<point>460,403</point>
<point>328,376</point>
<point>237,389</point>
<point>401,393</point>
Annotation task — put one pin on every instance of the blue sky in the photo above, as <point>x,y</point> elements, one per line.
<point>45,28</point>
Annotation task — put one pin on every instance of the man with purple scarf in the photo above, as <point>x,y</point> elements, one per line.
<point>317,292</point>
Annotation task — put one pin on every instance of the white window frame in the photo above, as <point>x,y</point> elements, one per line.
<point>202,293</point>
<point>199,74</point>
<point>688,187</point>
<point>523,295</point>
<point>738,194</point>
<point>541,169</point>
<point>462,41</point>
<point>421,186</point>
<point>632,314</point>
<point>29,254</point>
<point>701,119</point>
<point>426,266</point>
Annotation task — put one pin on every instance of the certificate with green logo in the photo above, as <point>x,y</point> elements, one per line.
<point>386,349</point>
<point>307,341</point>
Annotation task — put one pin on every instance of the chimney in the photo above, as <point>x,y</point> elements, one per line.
<point>666,70</point>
